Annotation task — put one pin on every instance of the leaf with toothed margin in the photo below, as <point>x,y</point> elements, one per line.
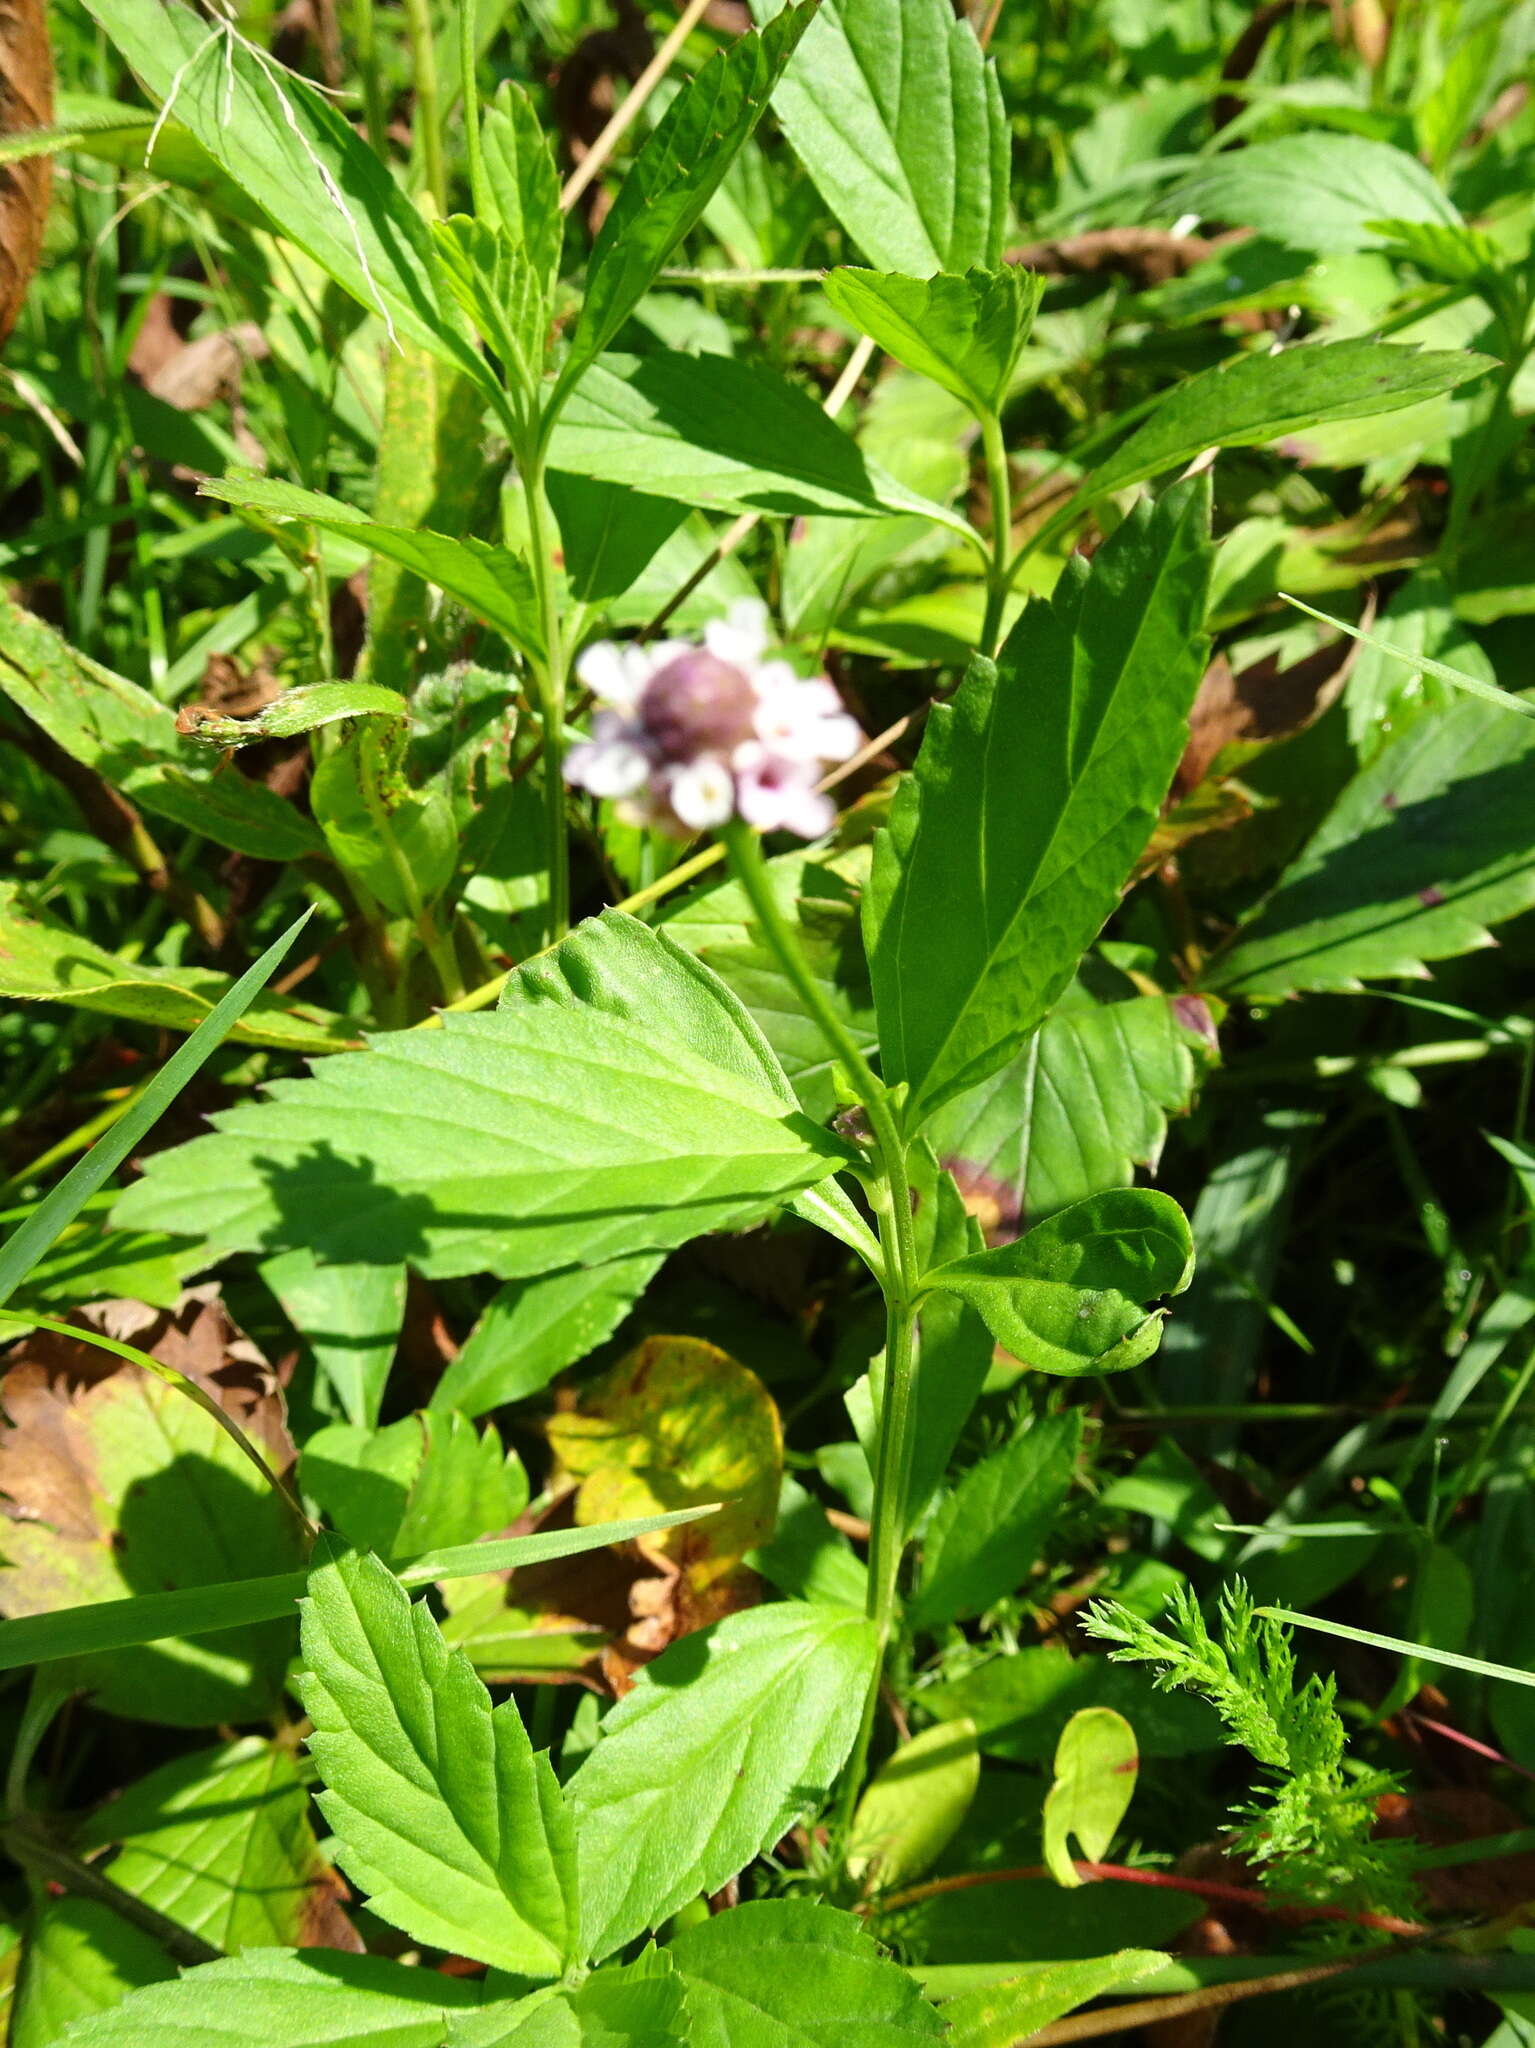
<point>621,1100</point>
<point>442,1812</point>
<point>1426,848</point>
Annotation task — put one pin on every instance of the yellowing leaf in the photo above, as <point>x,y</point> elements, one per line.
<point>915,1803</point>
<point>1096,1762</point>
<point>676,1423</point>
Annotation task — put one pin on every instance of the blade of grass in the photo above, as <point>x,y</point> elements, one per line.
<point>204,1610</point>
<point>1476,1665</point>
<point>1423,663</point>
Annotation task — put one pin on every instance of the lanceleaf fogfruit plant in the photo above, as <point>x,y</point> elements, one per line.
<point>621,1100</point>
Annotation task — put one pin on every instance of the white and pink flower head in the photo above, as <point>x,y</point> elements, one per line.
<point>688,737</point>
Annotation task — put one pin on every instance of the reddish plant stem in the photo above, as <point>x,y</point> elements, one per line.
<point>1198,1887</point>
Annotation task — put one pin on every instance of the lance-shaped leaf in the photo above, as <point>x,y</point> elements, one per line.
<point>966,333</point>
<point>442,1813</point>
<point>621,1100</point>
<point>1072,1296</point>
<point>791,1973</point>
<point>129,738</point>
<point>1259,398</point>
<point>293,712</point>
<point>522,186</point>
<point>674,176</point>
<point>42,960</point>
<point>898,117</point>
<point>532,1329</point>
<point>276,1996</point>
<point>1427,847</point>
<point>302,162</point>
<point>726,435</point>
<point>1032,796</point>
<point>490,580</point>
<point>726,1738</point>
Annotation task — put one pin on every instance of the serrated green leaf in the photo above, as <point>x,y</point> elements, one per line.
<point>1425,848</point>
<point>992,881</point>
<point>42,960</point>
<point>532,1329</point>
<point>442,1813</point>
<point>691,1778</point>
<point>427,1481</point>
<point>129,738</point>
<point>313,1999</point>
<point>1261,397</point>
<point>987,1534</point>
<point>643,2004</point>
<point>1078,1109</point>
<point>1071,1295</point>
<point>220,1842</point>
<point>494,281</point>
<point>789,1973</point>
<point>727,435</point>
<point>966,333</point>
<point>1315,190</point>
<point>493,582</point>
<point>819,893</point>
<point>898,118</point>
<point>673,178</point>
<point>914,1804</point>
<point>309,171</point>
<point>522,185</point>
<point>999,2015</point>
<point>620,1101</point>
<point>1445,249</point>
<point>1096,1762</point>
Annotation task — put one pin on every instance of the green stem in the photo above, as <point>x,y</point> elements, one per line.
<point>999,575</point>
<point>552,682</point>
<point>901,1280</point>
<point>428,117</point>
<point>372,88</point>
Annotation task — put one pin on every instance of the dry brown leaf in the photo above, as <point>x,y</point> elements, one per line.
<point>1235,713</point>
<point>26,101</point>
<point>194,376</point>
<point>114,1483</point>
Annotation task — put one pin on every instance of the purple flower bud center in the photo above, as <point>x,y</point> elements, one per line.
<point>697,704</point>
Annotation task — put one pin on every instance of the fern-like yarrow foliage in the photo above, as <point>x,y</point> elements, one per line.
<point>1310,1830</point>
